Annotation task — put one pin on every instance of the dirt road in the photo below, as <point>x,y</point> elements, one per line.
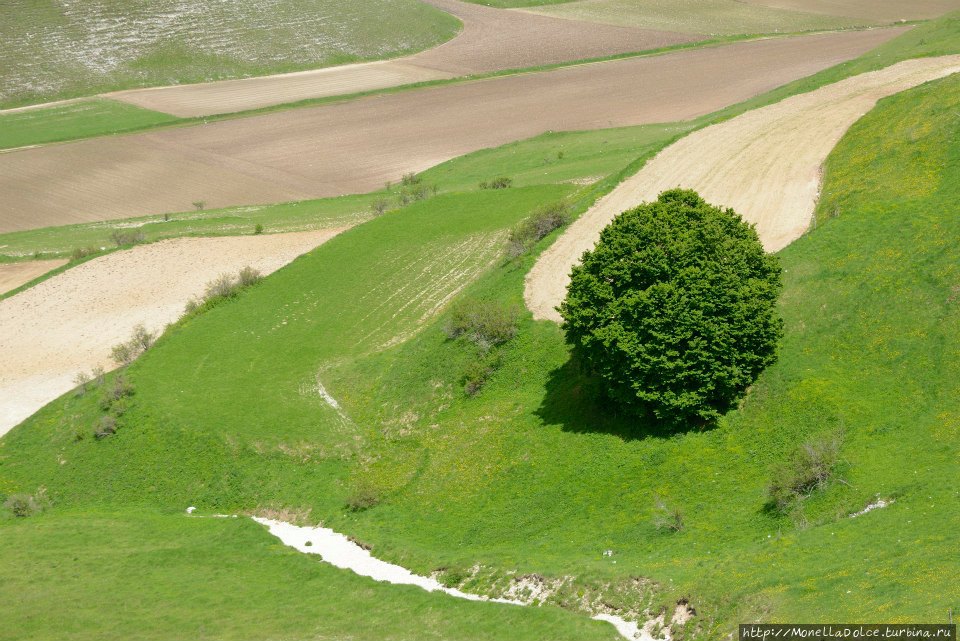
<point>355,147</point>
<point>765,164</point>
<point>68,323</point>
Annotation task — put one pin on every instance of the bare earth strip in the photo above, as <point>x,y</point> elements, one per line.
<point>491,40</point>
<point>765,164</point>
<point>68,323</point>
<point>884,10</point>
<point>12,275</point>
<point>355,147</point>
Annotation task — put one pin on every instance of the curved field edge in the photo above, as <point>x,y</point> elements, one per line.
<point>533,475</point>
<point>54,52</point>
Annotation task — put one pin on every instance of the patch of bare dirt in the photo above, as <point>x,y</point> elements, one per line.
<point>356,146</point>
<point>765,164</point>
<point>68,323</point>
<point>13,275</point>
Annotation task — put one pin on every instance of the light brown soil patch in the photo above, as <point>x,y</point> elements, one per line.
<point>68,323</point>
<point>355,147</point>
<point>12,275</point>
<point>491,40</point>
<point>880,10</point>
<point>765,164</point>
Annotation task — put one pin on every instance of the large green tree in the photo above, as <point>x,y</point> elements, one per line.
<point>676,309</point>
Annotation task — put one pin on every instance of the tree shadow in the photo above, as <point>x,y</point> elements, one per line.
<point>578,403</point>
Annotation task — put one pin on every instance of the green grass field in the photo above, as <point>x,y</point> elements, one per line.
<point>532,474</point>
<point>55,50</point>
<point>714,17</point>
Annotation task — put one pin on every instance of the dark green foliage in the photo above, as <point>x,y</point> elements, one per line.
<point>533,229</point>
<point>675,308</point>
<point>257,229</point>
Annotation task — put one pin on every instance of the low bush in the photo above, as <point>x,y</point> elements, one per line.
<point>106,426</point>
<point>24,505</point>
<point>536,227</point>
<point>380,206</point>
<point>362,497</point>
<point>410,179</point>
<point>223,286</point>
<point>120,389</point>
<point>79,253</point>
<point>503,182</point>
<point>81,380</point>
<point>478,373</point>
<point>809,469</point>
<point>484,323</point>
<point>248,276</point>
<point>140,341</point>
<point>666,517</point>
<point>126,238</point>
<point>257,229</point>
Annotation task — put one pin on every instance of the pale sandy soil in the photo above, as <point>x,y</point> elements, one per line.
<point>491,40</point>
<point>884,10</point>
<point>357,146</point>
<point>68,323</point>
<point>765,164</point>
<point>12,275</point>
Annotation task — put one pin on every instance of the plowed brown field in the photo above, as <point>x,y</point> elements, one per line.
<point>765,164</point>
<point>491,40</point>
<point>12,275</point>
<point>356,146</point>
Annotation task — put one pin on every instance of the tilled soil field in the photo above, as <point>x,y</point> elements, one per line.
<point>356,146</point>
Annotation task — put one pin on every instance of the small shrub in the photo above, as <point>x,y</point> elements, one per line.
<point>192,305</point>
<point>477,375</point>
<point>380,206</point>
<point>166,218</point>
<point>223,286</point>
<point>126,238</point>
<point>140,341</point>
<point>484,323</point>
<point>199,204</point>
<point>810,468</point>
<point>410,179</point>
<point>363,497</point>
<point>81,380</point>
<point>560,155</point>
<point>257,229</point>
<point>106,426</point>
<point>666,517</point>
<point>120,389</point>
<point>248,276</point>
<point>98,374</point>
<point>536,227</point>
<point>24,505</point>
<point>503,182</point>
<point>122,354</point>
<point>79,253</point>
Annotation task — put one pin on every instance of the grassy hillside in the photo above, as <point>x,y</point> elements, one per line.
<point>533,474</point>
<point>152,576</point>
<point>54,50</point>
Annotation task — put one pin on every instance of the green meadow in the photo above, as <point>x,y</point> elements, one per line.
<point>533,474</point>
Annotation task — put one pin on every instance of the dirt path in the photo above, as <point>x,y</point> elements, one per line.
<point>871,9</point>
<point>491,40</point>
<point>12,275</point>
<point>68,323</point>
<point>355,147</point>
<point>765,164</point>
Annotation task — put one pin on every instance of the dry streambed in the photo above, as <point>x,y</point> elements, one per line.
<point>766,164</point>
<point>68,323</point>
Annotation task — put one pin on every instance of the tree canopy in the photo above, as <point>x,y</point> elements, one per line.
<point>676,309</point>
